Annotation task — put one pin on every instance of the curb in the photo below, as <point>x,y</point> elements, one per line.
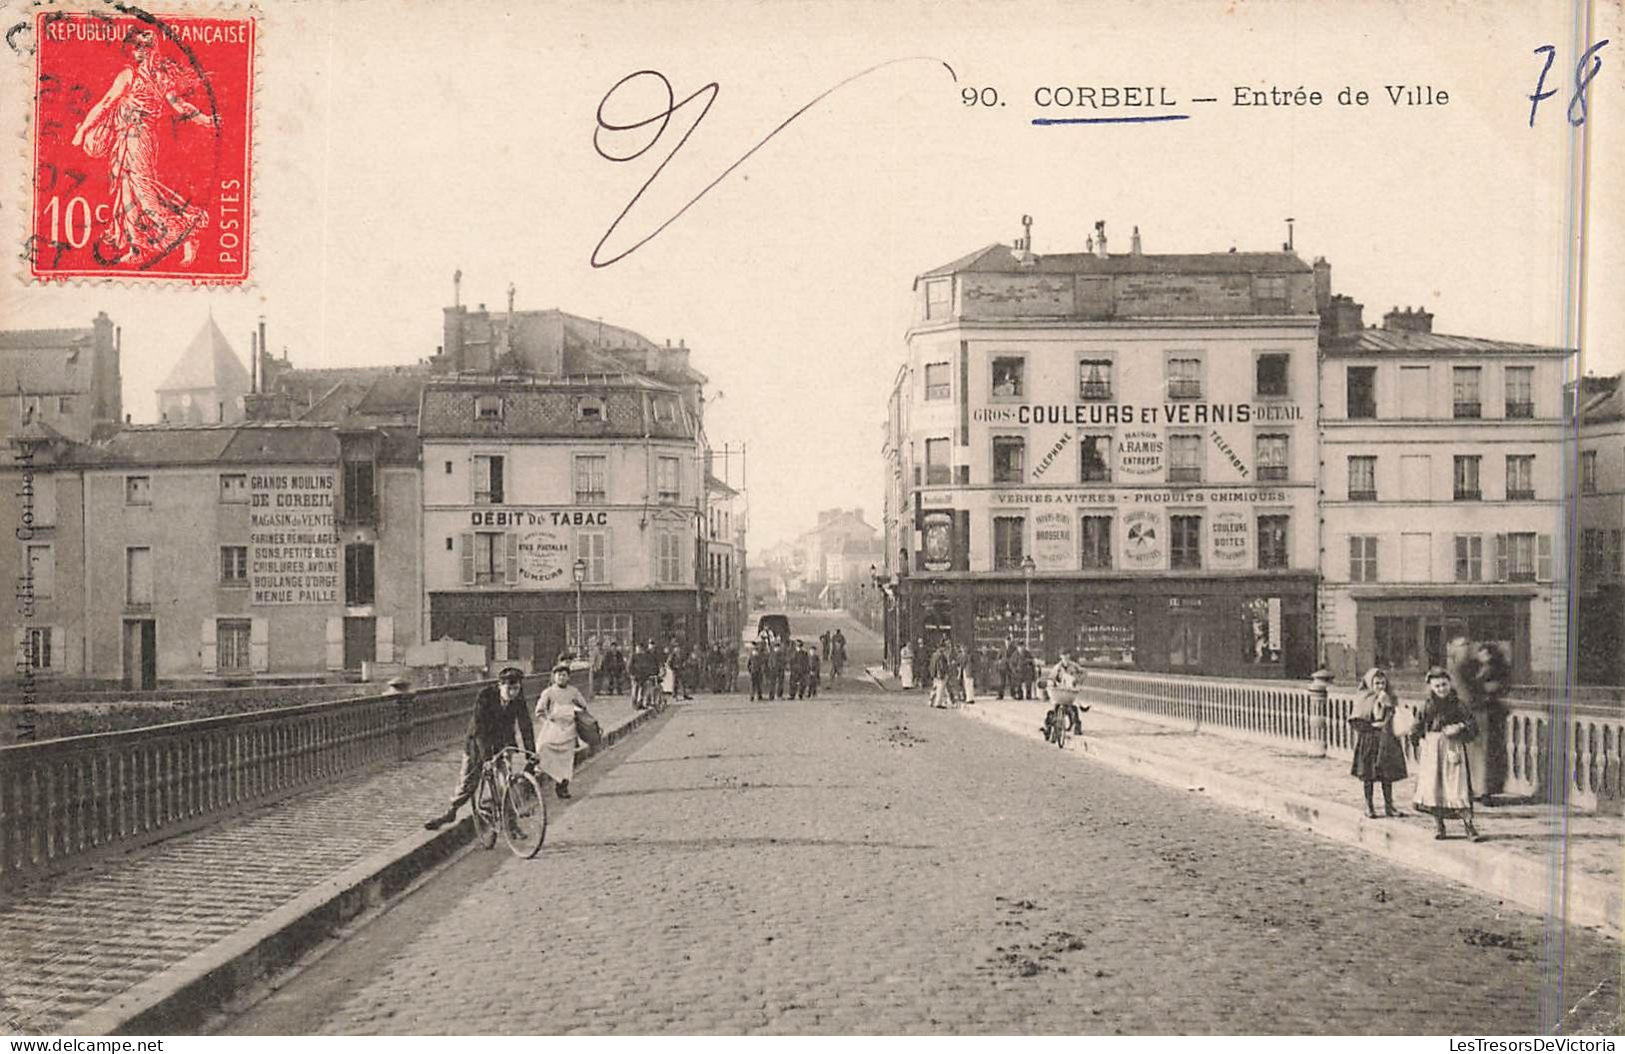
<point>174,1001</point>
<point>1512,878</point>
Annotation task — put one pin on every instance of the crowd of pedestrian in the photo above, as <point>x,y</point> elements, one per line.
<point>782,667</point>
<point>678,670</point>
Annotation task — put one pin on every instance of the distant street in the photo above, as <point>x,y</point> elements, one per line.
<point>860,863</point>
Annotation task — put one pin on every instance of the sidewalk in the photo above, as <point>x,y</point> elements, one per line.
<point>179,926</point>
<point>1518,862</point>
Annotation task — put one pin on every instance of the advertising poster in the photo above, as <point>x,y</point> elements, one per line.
<point>1144,540</point>
<point>293,553</point>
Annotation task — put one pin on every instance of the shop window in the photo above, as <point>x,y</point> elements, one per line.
<point>1184,377</point>
<point>602,630</point>
<point>1009,537</point>
<point>1096,533</point>
<point>1009,459</point>
<point>1185,630</point>
<point>1363,558</point>
<point>1466,476</point>
<point>1009,377</point>
<point>1520,477</point>
<point>1363,478</point>
<point>1185,542</point>
<point>232,639</point>
<point>1273,550</point>
<point>234,488</point>
<point>1469,558</point>
<point>359,574</point>
<point>1465,391</point>
<point>234,565</point>
<point>938,385</point>
<point>1095,458</point>
<point>937,470</point>
<point>1106,631</point>
<point>1271,457</point>
<point>488,479</point>
<point>1398,641</point>
<point>1362,391</point>
<point>138,490</point>
<point>1271,375</point>
<point>1095,380</point>
<point>667,480</point>
<point>1260,630</point>
<point>1520,391</point>
<point>591,479</point>
<point>1185,459</point>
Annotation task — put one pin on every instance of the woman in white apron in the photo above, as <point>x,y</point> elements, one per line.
<point>1443,772</point>
<point>556,710</point>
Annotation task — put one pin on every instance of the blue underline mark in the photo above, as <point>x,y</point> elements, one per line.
<point>1112,120</point>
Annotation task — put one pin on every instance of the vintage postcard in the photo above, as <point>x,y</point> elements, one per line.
<point>845,518</point>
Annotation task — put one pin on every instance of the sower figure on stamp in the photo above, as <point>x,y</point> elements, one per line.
<point>498,709</point>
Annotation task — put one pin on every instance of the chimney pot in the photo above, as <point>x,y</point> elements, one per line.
<point>1134,242</point>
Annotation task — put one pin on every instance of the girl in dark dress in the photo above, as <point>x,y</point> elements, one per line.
<point>1378,755</point>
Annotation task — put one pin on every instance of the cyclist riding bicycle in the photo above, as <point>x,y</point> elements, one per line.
<point>1064,679</point>
<point>498,709</point>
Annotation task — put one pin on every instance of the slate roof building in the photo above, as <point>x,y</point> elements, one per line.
<point>207,384</point>
<point>66,380</point>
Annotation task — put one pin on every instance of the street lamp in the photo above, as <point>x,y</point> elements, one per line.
<point>1027,569</point>
<point>578,571</point>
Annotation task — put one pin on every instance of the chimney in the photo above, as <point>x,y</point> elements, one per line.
<point>1100,238</point>
<point>457,289</point>
<point>1023,249</point>
<point>1342,317</point>
<point>1410,320</point>
<point>1323,284</point>
<point>1134,242</point>
<point>253,362</point>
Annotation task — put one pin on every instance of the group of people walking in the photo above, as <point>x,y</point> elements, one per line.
<point>956,671</point>
<point>678,670</point>
<point>784,668</point>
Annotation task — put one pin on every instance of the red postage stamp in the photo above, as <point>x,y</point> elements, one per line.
<point>142,144</point>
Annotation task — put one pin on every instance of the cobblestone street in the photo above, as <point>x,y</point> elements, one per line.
<point>859,863</point>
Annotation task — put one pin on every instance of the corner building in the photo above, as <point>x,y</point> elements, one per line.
<point>1127,438</point>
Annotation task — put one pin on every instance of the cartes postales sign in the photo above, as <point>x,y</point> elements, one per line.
<point>544,558</point>
<point>141,144</point>
<point>1142,539</point>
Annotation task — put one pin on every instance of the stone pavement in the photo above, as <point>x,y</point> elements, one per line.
<point>1525,844</point>
<point>863,864</point>
<point>72,943</point>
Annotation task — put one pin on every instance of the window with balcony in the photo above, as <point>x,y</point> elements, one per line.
<point>1362,391</point>
<point>489,564</point>
<point>488,479</point>
<point>1362,558</point>
<point>1096,532</point>
<point>1588,472</point>
<point>1272,375</point>
<point>1466,478</point>
<point>1519,557</point>
<point>138,490</point>
<point>1520,391</point>
<point>234,565</point>
<point>232,645</point>
<point>1184,377</point>
<point>1465,384</point>
<point>1185,542</point>
<point>1009,377</point>
<point>1095,458</point>
<point>360,494</point>
<point>1185,459</point>
<point>234,488</point>
<point>591,479</point>
<point>1273,549</point>
<point>1270,460</point>
<point>1469,558</point>
<point>1520,477</point>
<point>359,574</point>
<point>1009,542</point>
<point>937,469</point>
<point>1009,459</point>
<point>938,382</point>
<point>668,472</point>
<point>1095,380</point>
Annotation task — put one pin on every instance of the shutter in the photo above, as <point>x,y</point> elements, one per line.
<point>335,644</point>
<point>58,660</point>
<point>209,644</point>
<point>384,638</point>
<point>259,645</point>
<point>499,474</point>
<point>468,557</point>
<point>609,575</point>
<point>1543,558</point>
<point>473,472</point>
<point>1500,558</point>
<point>511,545</point>
<point>499,637</point>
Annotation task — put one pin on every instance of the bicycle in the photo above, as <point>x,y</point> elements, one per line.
<point>511,801</point>
<point>654,696</point>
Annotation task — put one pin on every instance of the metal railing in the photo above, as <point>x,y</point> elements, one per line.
<point>66,801</point>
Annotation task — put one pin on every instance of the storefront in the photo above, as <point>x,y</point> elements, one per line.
<point>1410,632</point>
<point>535,627</point>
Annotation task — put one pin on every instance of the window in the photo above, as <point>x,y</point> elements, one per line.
<point>360,504</point>
<point>937,384</point>
<point>591,474</point>
<point>358,575</point>
<point>1185,541</point>
<point>1362,391</point>
<point>1270,291</point>
<point>234,488</point>
<point>488,479</point>
<point>1469,558</point>
<point>1520,391</point>
<point>939,298</point>
<point>489,567</point>
<point>1009,459</point>
<point>1272,541</point>
<point>1271,374</point>
<point>488,407</point>
<point>936,461</point>
<point>1184,632</point>
<point>667,480</point>
<point>41,571</point>
<point>1185,459</point>
<point>1096,532</point>
<point>1362,558</point>
<point>1095,380</point>
<point>1184,378</point>
<point>37,648</point>
<point>1520,477</point>
<point>1009,539</point>
<point>1009,377</point>
<point>1464,391</point>
<point>1517,559</point>
<point>1593,559</point>
<point>234,565</point>
<point>138,490</point>
<point>590,408</point>
<point>64,404</point>
<point>665,410</point>
<point>1398,640</point>
<point>231,642</point>
<point>1616,552</point>
<point>1588,471</point>
<point>1271,457</point>
<point>1260,628</point>
<point>138,577</point>
<point>1467,488</point>
<point>607,629</point>
<point>592,548</point>
<point>669,558</point>
<point>1094,455</point>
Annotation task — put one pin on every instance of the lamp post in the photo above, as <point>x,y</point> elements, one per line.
<point>1027,569</point>
<point>579,572</point>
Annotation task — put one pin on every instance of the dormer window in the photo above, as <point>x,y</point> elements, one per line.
<point>665,410</point>
<point>590,408</point>
<point>487,407</point>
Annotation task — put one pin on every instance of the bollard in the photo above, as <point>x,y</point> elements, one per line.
<point>401,689</point>
<point>1320,683</point>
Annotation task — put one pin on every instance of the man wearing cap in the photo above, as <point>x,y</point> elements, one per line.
<point>556,710</point>
<point>497,709</point>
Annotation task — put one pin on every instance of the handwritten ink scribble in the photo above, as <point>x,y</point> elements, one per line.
<point>660,119</point>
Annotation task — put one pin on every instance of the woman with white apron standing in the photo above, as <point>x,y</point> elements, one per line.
<point>557,709</point>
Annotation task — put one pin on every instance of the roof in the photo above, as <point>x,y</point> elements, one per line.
<point>45,361</point>
<point>244,443</point>
<point>1001,258</point>
<point>545,409</point>
<point>1376,341</point>
<point>582,345</point>
<point>717,486</point>
<point>1607,405</point>
<point>207,362</point>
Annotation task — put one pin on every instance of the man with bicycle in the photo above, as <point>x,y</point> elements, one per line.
<point>497,709</point>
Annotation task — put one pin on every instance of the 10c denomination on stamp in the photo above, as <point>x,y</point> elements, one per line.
<point>142,143</point>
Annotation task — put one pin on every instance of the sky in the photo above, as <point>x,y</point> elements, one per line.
<point>396,143</point>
